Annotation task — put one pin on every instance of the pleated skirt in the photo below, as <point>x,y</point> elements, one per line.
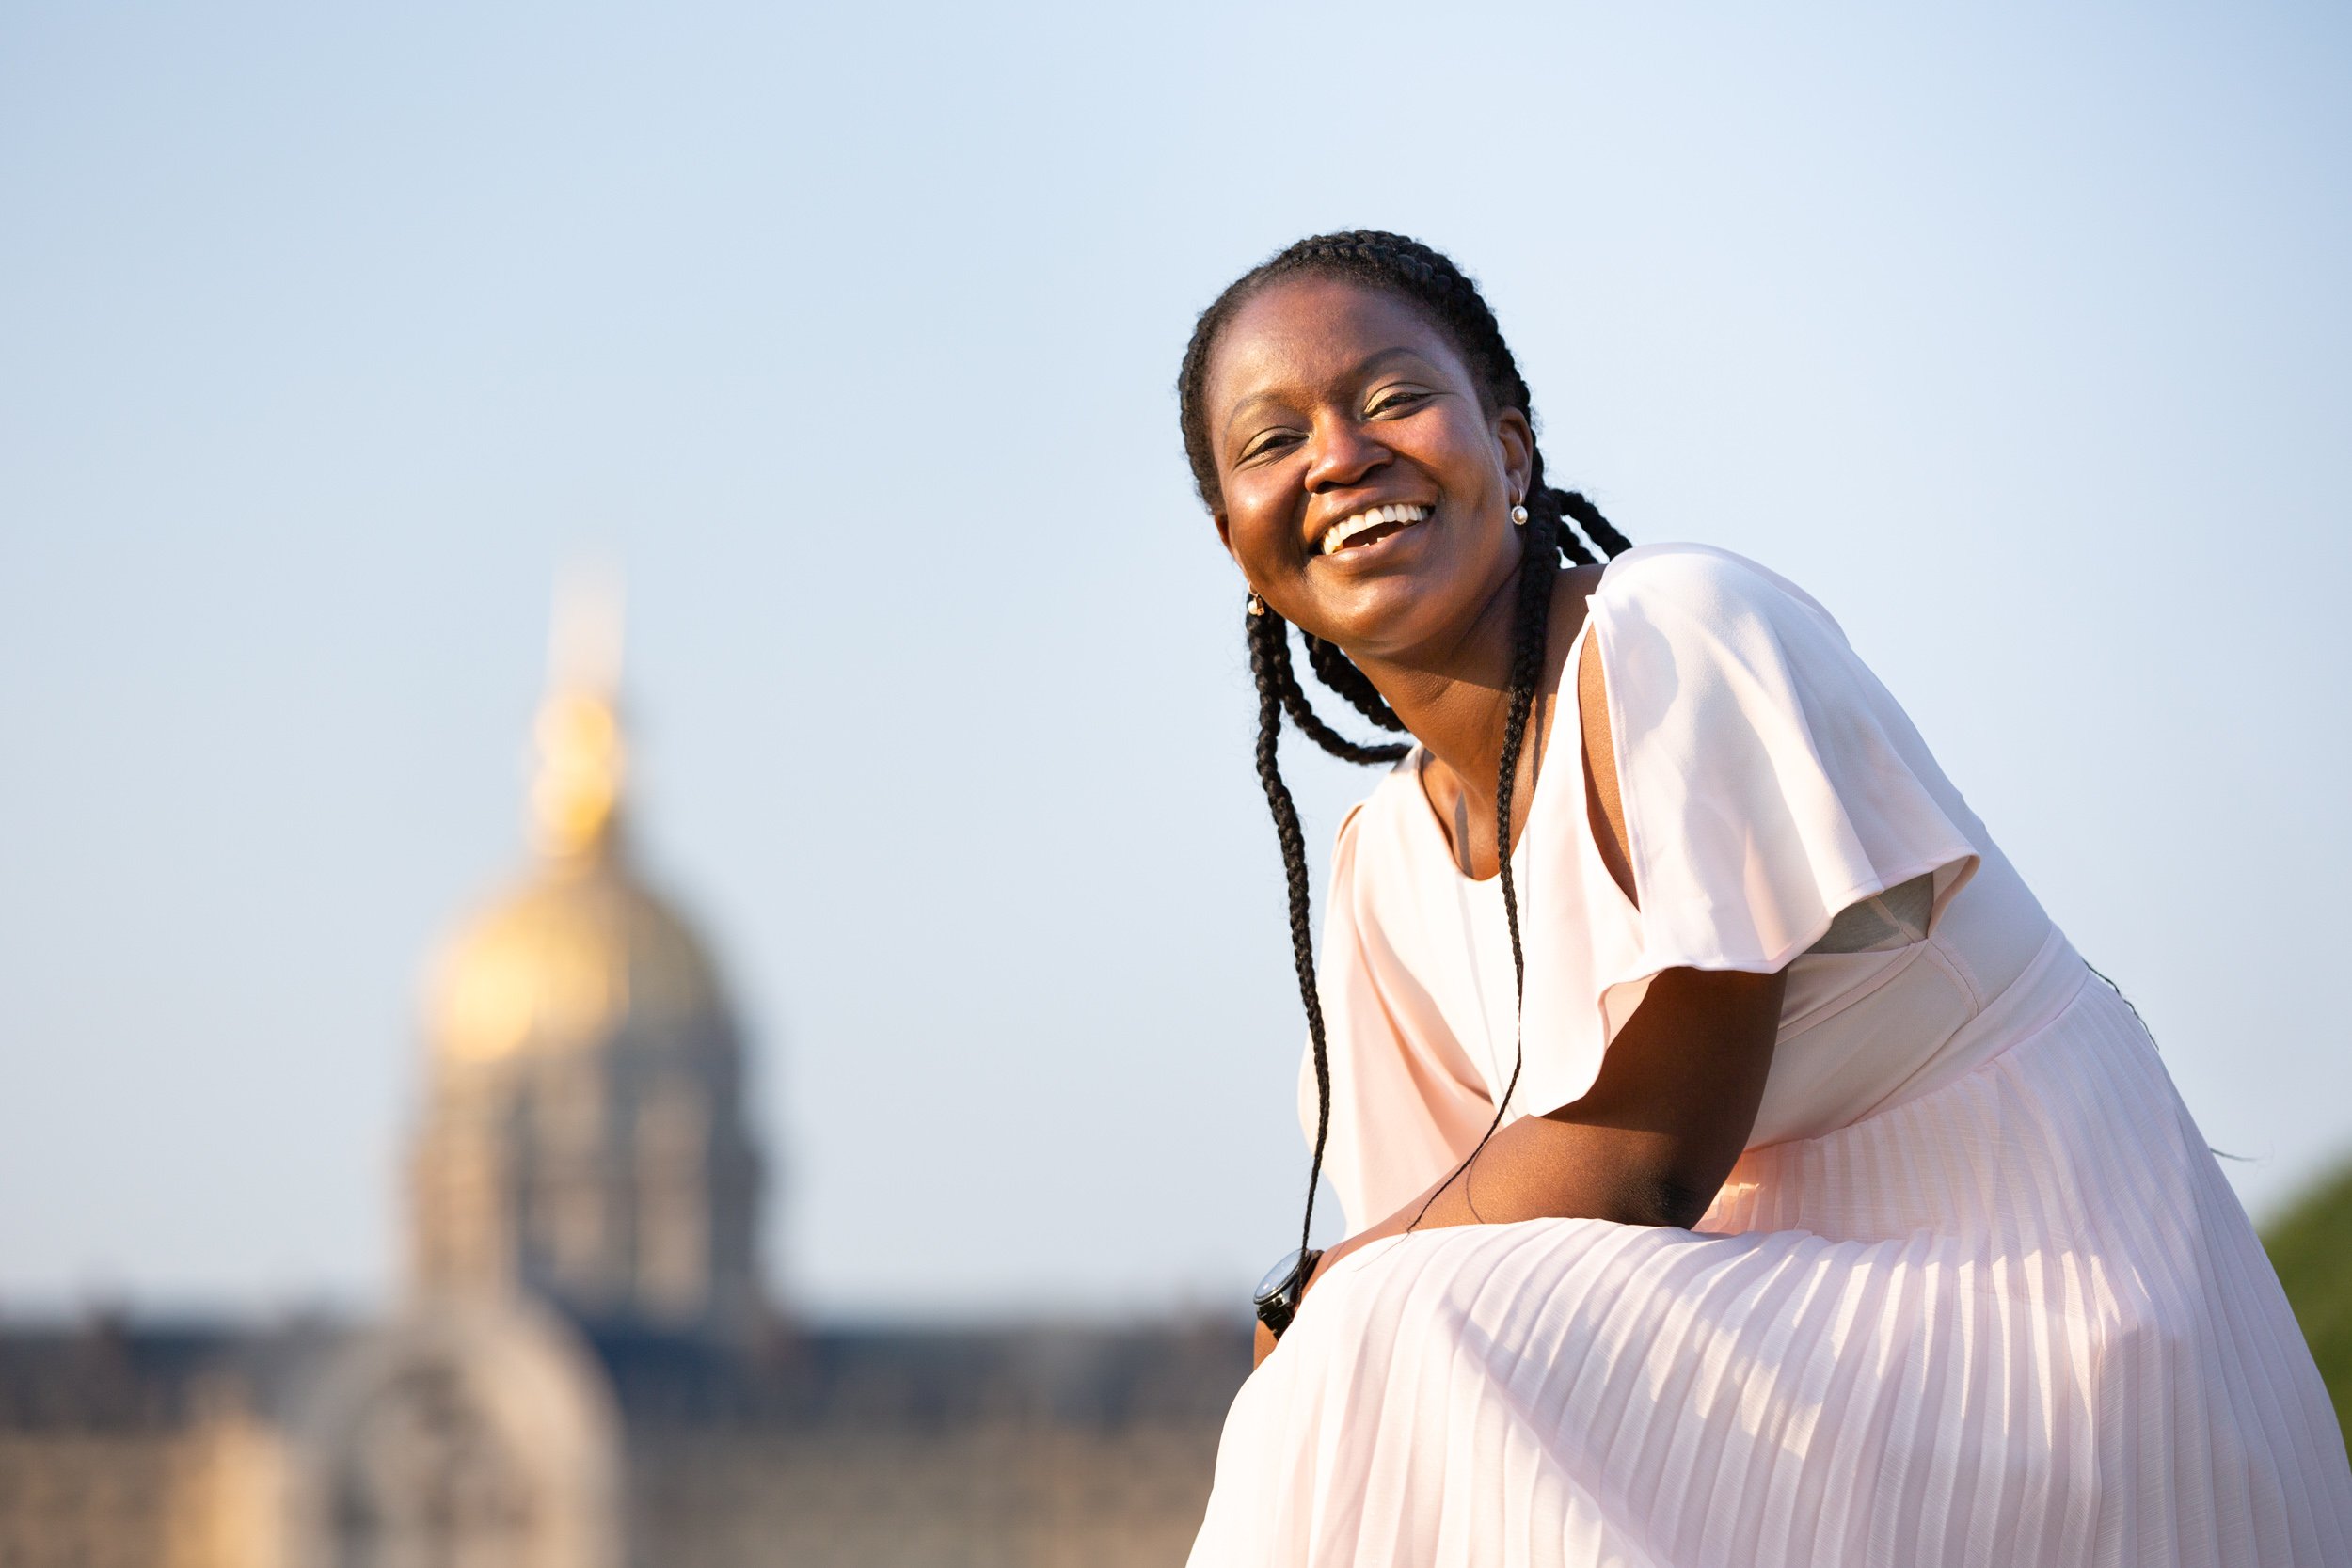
<point>2019,1321</point>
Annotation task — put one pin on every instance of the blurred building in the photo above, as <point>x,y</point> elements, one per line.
<point>586,1372</point>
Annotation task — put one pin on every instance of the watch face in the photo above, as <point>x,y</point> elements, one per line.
<point>1278,1278</point>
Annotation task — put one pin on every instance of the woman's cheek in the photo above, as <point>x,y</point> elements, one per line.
<point>1259,538</point>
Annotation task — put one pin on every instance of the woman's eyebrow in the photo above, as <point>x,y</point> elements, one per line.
<point>1245,404</point>
<point>1383,357</point>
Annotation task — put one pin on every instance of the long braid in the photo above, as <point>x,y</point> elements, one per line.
<point>1340,673</point>
<point>1556,518</point>
<point>1531,637</point>
<point>1276,632</point>
<point>1596,527</point>
<point>1270,664</point>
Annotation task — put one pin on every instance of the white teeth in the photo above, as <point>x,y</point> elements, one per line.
<point>1339,533</point>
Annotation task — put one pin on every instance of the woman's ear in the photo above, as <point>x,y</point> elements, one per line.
<point>1517,439</point>
<point>1225,531</point>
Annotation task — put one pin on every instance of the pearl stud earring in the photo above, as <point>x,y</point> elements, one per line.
<point>1519,516</point>
<point>1257,605</point>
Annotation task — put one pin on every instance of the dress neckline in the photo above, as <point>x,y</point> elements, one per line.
<point>1426,810</point>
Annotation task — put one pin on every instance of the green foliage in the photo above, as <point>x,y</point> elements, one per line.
<point>2310,1246</point>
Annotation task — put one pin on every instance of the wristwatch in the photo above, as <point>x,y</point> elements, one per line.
<point>1277,1298</point>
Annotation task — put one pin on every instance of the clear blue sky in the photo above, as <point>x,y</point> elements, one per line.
<point>2017,334</point>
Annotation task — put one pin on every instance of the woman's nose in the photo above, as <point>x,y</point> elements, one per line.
<point>1342,453</point>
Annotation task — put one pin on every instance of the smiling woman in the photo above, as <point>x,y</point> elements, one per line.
<point>1743,1168</point>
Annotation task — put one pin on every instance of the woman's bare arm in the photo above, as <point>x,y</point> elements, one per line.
<point>1651,1142</point>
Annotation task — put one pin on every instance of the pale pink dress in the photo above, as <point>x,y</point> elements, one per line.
<point>1977,1293</point>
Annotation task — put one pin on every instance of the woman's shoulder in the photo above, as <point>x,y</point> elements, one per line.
<point>1665,615</point>
<point>1703,579</point>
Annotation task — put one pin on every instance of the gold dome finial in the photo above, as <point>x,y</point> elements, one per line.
<point>576,794</point>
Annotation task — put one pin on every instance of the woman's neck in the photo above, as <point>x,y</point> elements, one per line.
<point>1454,699</point>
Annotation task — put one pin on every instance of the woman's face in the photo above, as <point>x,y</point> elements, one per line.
<point>1326,401</point>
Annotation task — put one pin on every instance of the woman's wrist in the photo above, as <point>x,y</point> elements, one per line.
<point>1337,1250</point>
<point>1331,1255</point>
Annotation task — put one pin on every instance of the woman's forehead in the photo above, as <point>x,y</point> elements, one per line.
<point>1309,332</point>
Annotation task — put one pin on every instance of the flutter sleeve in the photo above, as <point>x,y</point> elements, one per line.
<point>1768,780</point>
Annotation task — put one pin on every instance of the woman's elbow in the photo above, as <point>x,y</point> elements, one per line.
<point>1664,1199</point>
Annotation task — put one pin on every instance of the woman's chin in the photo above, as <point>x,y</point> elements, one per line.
<point>1385,613</point>
<point>1387,617</point>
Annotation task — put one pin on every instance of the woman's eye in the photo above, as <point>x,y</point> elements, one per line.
<point>1389,402</point>
<point>1272,441</point>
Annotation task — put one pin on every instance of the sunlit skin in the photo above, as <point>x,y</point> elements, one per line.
<point>1325,398</point>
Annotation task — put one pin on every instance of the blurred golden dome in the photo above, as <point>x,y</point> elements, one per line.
<point>581,949</point>
<point>577,954</point>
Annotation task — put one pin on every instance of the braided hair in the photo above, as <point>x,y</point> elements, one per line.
<point>1426,278</point>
